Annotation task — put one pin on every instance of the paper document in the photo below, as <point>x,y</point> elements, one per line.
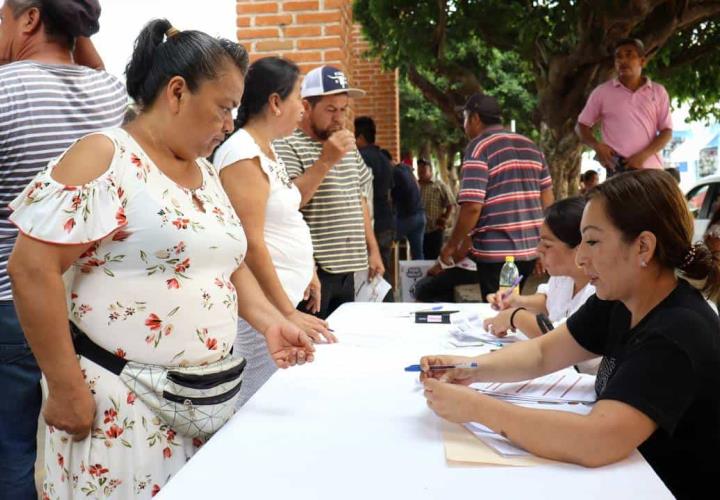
<point>495,441</point>
<point>462,447</point>
<point>566,386</point>
<point>507,448</point>
<point>373,290</point>
<point>468,331</point>
<point>561,391</point>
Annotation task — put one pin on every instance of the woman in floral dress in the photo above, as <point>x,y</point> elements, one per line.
<point>156,252</point>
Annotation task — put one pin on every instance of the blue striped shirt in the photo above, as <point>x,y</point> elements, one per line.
<point>505,172</point>
<point>44,108</point>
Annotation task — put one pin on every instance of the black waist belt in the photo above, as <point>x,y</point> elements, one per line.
<point>90,350</point>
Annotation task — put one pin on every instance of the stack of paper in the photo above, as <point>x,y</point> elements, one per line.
<point>563,391</point>
<point>468,331</point>
<point>495,441</point>
<point>560,387</point>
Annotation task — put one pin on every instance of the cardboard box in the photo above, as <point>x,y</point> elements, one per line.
<point>411,271</point>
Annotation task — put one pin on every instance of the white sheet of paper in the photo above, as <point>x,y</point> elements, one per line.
<point>499,444</point>
<point>565,386</point>
<point>507,448</point>
<point>468,330</point>
<point>373,290</point>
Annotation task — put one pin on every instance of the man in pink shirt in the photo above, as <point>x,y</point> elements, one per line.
<point>633,111</point>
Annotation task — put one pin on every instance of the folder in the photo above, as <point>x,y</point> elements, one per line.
<point>463,448</point>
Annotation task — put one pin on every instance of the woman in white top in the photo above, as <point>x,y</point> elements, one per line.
<point>280,251</point>
<point>568,287</point>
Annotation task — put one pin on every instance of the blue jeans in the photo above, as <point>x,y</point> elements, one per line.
<point>19,409</point>
<point>413,228</point>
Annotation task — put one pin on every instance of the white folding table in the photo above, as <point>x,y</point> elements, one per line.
<point>354,425</point>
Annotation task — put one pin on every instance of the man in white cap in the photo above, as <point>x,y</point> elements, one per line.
<point>322,159</point>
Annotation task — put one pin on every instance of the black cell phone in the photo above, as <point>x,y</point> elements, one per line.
<point>620,164</point>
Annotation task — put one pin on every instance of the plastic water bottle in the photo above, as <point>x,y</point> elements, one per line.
<point>508,275</point>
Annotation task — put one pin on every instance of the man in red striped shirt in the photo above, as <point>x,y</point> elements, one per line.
<point>504,189</point>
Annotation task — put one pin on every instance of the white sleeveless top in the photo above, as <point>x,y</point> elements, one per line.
<point>155,285</point>
<point>287,236</point>
<point>560,301</point>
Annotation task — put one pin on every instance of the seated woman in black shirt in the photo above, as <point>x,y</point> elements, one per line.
<point>658,385</point>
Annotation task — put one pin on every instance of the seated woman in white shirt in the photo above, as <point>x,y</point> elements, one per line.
<point>280,251</point>
<point>568,288</point>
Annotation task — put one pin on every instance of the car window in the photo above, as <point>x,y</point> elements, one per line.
<point>714,204</point>
<point>696,200</point>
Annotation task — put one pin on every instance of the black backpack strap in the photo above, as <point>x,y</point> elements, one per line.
<point>90,350</point>
<point>544,323</point>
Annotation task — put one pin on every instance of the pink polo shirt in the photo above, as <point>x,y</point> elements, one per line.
<point>630,120</point>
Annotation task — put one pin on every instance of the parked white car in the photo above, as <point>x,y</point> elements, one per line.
<point>703,199</point>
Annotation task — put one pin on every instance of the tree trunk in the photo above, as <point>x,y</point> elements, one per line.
<point>562,152</point>
<point>562,93</point>
<point>456,151</point>
<point>442,155</point>
<point>446,155</point>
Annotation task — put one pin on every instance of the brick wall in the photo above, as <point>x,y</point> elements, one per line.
<point>317,32</point>
<point>310,32</point>
<point>383,99</point>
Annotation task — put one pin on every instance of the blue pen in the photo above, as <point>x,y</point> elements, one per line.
<point>417,368</point>
<point>490,342</point>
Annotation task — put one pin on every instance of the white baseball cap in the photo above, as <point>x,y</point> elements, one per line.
<point>327,80</point>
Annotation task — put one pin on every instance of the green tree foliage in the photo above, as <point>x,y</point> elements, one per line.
<point>542,58</point>
<point>426,131</point>
<point>689,66</point>
<point>422,125</point>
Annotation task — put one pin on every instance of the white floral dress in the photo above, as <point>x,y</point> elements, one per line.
<point>153,288</point>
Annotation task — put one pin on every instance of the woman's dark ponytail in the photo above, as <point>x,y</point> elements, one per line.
<point>701,264</point>
<point>161,52</point>
<point>144,51</point>
<point>242,117</point>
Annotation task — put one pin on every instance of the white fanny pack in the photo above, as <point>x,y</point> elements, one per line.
<point>195,401</point>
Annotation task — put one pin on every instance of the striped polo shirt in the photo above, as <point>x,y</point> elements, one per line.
<point>44,108</point>
<point>334,214</point>
<point>506,173</point>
